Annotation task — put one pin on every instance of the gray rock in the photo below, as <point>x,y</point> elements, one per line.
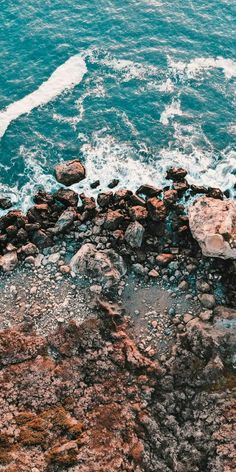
<point>65,221</point>
<point>106,265</point>
<point>134,234</point>
<point>207,300</point>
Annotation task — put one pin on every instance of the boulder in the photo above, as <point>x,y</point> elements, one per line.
<point>156,209</point>
<point>113,219</point>
<point>170,197</point>
<point>138,213</point>
<point>105,265</point>
<point>68,197</point>
<point>134,234</point>
<point>213,225</point>
<point>9,261</point>
<point>70,172</point>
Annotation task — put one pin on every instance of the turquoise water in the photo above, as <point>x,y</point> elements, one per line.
<point>150,84</point>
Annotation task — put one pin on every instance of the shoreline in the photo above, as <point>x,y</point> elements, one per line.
<point>117,339</point>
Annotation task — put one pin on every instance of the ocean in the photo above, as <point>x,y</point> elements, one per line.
<point>130,87</point>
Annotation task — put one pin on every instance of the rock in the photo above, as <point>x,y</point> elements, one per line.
<point>203,286</point>
<point>43,197</point>
<point>9,261</point>
<point>113,219</point>
<point>153,273</point>
<point>149,191</point>
<point>65,221</point>
<point>15,347</point>
<point>170,197</point>
<point>187,318</point>
<point>105,199</point>
<point>65,269</point>
<point>138,213</point>
<point>183,285</point>
<point>5,203</point>
<point>180,187</point>
<point>65,455</point>
<point>164,259</point>
<point>70,172</point>
<point>68,197</point>
<point>134,234</point>
<point>139,269</point>
<point>213,224</point>
<point>95,184</point>
<point>157,209</point>
<point>176,174</point>
<point>105,265</point>
<point>29,249</point>
<point>88,203</point>
<point>207,300</point>
<point>41,238</point>
<point>113,183</point>
<point>206,315</point>
<point>215,193</point>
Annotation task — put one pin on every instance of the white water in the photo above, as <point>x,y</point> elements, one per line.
<point>199,64</point>
<point>65,77</point>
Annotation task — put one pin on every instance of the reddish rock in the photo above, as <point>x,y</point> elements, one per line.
<point>157,209</point>
<point>105,199</point>
<point>176,173</point>
<point>113,219</point>
<point>67,197</point>
<point>43,197</point>
<point>16,347</point>
<point>138,213</point>
<point>170,197</point>
<point>9,261</point>
<point>180,187</point>
<point>70,172</point>
<point>29,249</point>
<point>164,259</point>
<point>88,203</point>
<point>64,455</point>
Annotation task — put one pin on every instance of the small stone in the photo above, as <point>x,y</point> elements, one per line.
<point>206,315</point>
<point>65,269</point>
<point>153,273</point>
<point>187,318</point>
<point>154,324</point>
<point>207,300</point>
<point>95,289</point>
<point>183,285</point>
<point>33,290</point>
<point>203,286</point>
<point>172,312</point>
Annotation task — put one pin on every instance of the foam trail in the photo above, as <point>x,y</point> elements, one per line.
<point>65,77</point>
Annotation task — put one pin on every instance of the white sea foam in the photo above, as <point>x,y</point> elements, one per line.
<point>130,70</point>
<point>65,77</point>
<point>200,64</point>
<point>171,110</point>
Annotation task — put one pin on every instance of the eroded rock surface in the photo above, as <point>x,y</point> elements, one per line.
<point>213,224</point>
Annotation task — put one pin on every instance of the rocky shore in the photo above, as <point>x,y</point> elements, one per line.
<point>117,318</point>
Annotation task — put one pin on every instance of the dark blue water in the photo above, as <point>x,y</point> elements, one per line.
<point>153,85</point>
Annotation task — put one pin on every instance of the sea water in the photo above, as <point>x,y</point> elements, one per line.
<point>130,87</point>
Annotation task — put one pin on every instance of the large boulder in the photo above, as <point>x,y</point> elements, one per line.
<point>213,224</point>
<point>106,265</point>
<point>70,172</point>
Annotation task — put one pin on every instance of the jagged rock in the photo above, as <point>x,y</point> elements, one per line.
<point>138,213</point>
<point>213,224</point>
<point>113,219</point>
<point>95,184</point>
<point>9,261</point>
<point>113,183</point>
<point>5,203</point>
<point>41,238</point>
<point>69,173</point>
<point>43,197</point>
<point>134,234</point>
<point>105,199</point>
<point>29,249</point>
<point>66,196</point>
<point>65,221</point>
<point>105,265</point>
<point>157,209</point>
<point>176,174</point>
<point>170,197</point>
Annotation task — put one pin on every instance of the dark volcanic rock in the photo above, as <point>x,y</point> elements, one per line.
<point>5,203</point>
<point>41,238</point>
<point>70,172</point>
<point>177,174</point>
<point>113,183</point>
<point>149,191</point>
<point>113,219</point>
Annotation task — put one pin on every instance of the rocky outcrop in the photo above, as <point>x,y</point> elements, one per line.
<point>213,224</point>
<point>105,265</point>
<point>69,173</point>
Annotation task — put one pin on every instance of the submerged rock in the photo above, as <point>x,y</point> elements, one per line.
<point>213,224</point>
<point>106,265</point>
<point>69,173</point>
